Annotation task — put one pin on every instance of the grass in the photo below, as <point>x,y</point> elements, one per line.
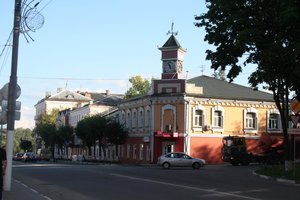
<point>278,171</point>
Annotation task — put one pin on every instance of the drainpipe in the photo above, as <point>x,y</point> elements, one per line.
<point>186,127</point>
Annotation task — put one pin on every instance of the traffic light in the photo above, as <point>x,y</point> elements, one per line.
<point>3,111</point>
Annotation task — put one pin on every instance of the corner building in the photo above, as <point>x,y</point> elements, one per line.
<point>193,115</point>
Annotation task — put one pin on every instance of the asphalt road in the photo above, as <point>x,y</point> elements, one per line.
<point>111,182</point>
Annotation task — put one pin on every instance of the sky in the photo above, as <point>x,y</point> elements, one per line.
<point>98,45</point>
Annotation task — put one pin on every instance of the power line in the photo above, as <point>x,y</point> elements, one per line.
<point>68,78</point>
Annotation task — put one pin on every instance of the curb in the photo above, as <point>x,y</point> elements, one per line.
<point>282,180</point>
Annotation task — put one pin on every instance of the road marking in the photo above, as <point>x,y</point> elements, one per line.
<point>187,187</point>
<point>32,190</point>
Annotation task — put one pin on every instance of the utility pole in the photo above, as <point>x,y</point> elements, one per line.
<point>12,93</point>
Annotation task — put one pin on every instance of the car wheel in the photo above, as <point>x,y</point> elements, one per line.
<point>166,165</point>
<point>196,165</point>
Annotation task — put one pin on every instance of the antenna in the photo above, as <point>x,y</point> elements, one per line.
<point>172,30</point>
<point>202,69</point>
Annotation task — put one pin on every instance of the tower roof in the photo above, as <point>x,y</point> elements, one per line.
<point>171,42</point>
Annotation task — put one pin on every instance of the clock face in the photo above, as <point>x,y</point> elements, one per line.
<point>169,67</point>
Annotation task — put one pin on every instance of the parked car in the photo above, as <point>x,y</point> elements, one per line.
<point>179,159</point>
<point>44,154</point>
<point>18,156</point>
<point>29,157</point>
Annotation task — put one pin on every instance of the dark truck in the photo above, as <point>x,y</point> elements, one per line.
<point>235,151</point>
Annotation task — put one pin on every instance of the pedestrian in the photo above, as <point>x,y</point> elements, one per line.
<point>3,162</point>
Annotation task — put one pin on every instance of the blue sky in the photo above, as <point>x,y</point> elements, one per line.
<point>97,45</point>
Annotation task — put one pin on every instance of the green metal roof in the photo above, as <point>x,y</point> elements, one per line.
<point>215,88</point>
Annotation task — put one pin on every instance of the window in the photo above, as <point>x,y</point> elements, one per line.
<point>198,118</point>
<point>128,120</point>
<point>128,150</point>
<point>134,119</point>
<point>134,151</point>
<point>148,153</point>
<point>141,151</point>
<point>147,123</point>
<point>141,118</point>
<point>250,120</point>
<point>273,121</point>
<point>218,119</point>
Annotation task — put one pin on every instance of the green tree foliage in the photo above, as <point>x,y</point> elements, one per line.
<point>97,128</point>
<point>263,33</point>
<point>139,87</point>
<point>22,134</point>
<point>219,74</point>
<point>46,129</point>
<point>116,134</point>
<point>26,145</point>
<point>65,137</point>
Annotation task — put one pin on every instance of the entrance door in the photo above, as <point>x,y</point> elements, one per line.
<point>167,147</point>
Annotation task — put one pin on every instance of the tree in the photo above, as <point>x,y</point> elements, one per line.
<point>46,129</point>
<point>219,74</point>
<point>139,87</point>
<point>26,145</point>
<point>84,132</point>
<point>22,134</point>
<point>116,134</point>
<point>263,33</point>
<point>65,137</point>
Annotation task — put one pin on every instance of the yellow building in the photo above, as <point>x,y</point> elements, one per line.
<point>193,115</point>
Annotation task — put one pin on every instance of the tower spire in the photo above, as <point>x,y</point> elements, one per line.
<point>172,30</point>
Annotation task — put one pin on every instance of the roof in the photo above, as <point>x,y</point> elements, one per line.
<point>111,99</point>
<point>66,95</point>
<point>172,42</point>
<point>215,88</point>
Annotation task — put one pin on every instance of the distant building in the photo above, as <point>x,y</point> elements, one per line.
<point>63,99</point>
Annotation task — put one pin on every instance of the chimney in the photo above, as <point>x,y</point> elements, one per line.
<point>48,94</point>
<point>58,90</point>
<point>107,92</point>
<point>88,94</point>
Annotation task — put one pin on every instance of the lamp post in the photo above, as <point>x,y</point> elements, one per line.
<point>12,96</point>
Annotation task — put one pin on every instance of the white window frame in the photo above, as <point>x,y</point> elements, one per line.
<point>199,107</point>
<point>254,128</point>
<point>271,129</point>
<point>221,110</point>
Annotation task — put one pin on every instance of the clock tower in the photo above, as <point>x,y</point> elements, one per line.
<point>172,80</point>
<point>172,55</point>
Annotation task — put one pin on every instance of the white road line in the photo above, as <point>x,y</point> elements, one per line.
<point>31,189</point>
<point>214,191</point>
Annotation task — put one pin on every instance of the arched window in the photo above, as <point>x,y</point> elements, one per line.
<point>134,118</point>
<point>141,118</point>
<point>128,119</point>
<point>148,117</point>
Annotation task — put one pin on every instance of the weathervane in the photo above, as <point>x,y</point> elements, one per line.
<point>31,20</point>
<point>172,30</point>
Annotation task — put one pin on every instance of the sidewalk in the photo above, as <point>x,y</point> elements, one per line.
<point>20,191</point>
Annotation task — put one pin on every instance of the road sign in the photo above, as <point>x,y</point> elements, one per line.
<point>4,92</point>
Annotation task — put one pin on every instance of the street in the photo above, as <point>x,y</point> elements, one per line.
<point>59,181</point>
